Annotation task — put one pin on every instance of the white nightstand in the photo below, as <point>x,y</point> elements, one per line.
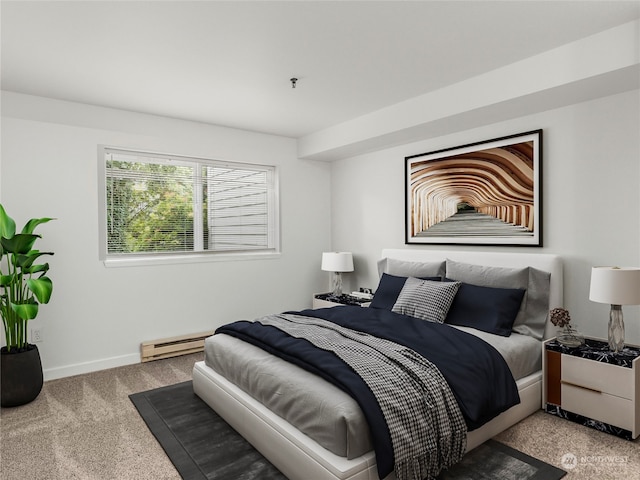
<point>593,386</point>
<point>324,300</point>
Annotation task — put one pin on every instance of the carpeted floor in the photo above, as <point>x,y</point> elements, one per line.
<point>85,427</point>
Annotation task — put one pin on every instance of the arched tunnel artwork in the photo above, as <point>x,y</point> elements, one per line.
<point>482,193</point>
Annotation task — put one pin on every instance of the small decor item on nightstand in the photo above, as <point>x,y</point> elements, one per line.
<point>568,336</point>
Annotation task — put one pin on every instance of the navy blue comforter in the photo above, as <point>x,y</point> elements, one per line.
<point>477,374</point>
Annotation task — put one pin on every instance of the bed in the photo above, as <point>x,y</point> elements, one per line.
<point>299,456</point>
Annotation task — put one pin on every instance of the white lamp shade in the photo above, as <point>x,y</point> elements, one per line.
<point>614,285</point>
<point>337,262</point>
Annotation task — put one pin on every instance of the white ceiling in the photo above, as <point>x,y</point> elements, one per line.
<point>229,63</point>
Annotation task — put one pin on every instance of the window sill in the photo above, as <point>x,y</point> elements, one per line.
<point>188,258</point>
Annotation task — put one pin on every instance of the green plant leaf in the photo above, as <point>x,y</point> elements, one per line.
<point>6,280</point>
<point>15,310</point>
<point>25,261</point>
<point>7,225</point>
<point>41,288</point>
<point>21,243</point>
<point>33,223</point>
<point>26,310</point>
<point>37,268</point>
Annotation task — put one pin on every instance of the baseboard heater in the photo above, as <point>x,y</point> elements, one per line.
<point>173,346</point>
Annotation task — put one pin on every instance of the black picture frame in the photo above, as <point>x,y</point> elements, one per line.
<point>483,193</point>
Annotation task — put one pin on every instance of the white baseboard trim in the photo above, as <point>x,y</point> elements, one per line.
<point>93,366</point>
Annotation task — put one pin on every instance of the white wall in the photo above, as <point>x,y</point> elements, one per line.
<point>98,316</point>
<point>591,194</point>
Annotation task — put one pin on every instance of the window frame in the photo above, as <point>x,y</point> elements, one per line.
<point>160,258</point>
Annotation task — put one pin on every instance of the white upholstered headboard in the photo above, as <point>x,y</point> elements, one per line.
<point>542,261</point>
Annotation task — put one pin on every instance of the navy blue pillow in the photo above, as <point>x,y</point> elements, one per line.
<point>489,309</point>
<point>388,290</point>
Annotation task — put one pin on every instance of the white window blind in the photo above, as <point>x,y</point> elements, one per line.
<point>162,204</point>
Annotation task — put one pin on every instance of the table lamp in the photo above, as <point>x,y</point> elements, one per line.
<point>337,262</point>
<point>615,286</point>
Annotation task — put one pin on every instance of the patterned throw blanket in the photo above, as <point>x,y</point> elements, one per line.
<point>427,429</point>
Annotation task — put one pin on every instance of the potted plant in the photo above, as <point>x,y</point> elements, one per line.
<point>24,285</point>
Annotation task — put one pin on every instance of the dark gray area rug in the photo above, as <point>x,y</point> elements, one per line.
<point>199,443</point>
<point>493,460</point>
<point>202,445</point>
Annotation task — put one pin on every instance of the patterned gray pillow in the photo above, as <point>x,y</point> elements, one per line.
<point>426,299</point>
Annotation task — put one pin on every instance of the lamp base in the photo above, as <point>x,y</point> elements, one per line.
<point>336,284</point>
<point>616,329</point>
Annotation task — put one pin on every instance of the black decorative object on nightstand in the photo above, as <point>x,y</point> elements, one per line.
<point>342,299</point>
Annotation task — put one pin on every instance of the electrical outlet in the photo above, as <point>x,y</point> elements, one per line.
<point>36,335</point>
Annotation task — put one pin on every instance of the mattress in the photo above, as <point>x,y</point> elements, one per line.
<point>314,406</point>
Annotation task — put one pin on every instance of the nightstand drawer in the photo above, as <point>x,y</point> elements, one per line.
<point>598,376</point>
<point>607,408</point>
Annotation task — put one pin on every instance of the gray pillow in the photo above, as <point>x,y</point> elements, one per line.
<point>532,316</point>
<point>537,297</point>
<point>402,268</point>
<point>426,299</point>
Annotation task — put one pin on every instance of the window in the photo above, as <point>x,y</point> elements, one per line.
<point>158,205</point>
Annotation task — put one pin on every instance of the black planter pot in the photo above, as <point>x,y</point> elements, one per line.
<point>20,376</point>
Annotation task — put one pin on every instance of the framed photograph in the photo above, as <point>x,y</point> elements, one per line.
<point>484,193</point>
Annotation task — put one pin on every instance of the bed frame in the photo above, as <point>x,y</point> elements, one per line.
<point>299,457</point>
